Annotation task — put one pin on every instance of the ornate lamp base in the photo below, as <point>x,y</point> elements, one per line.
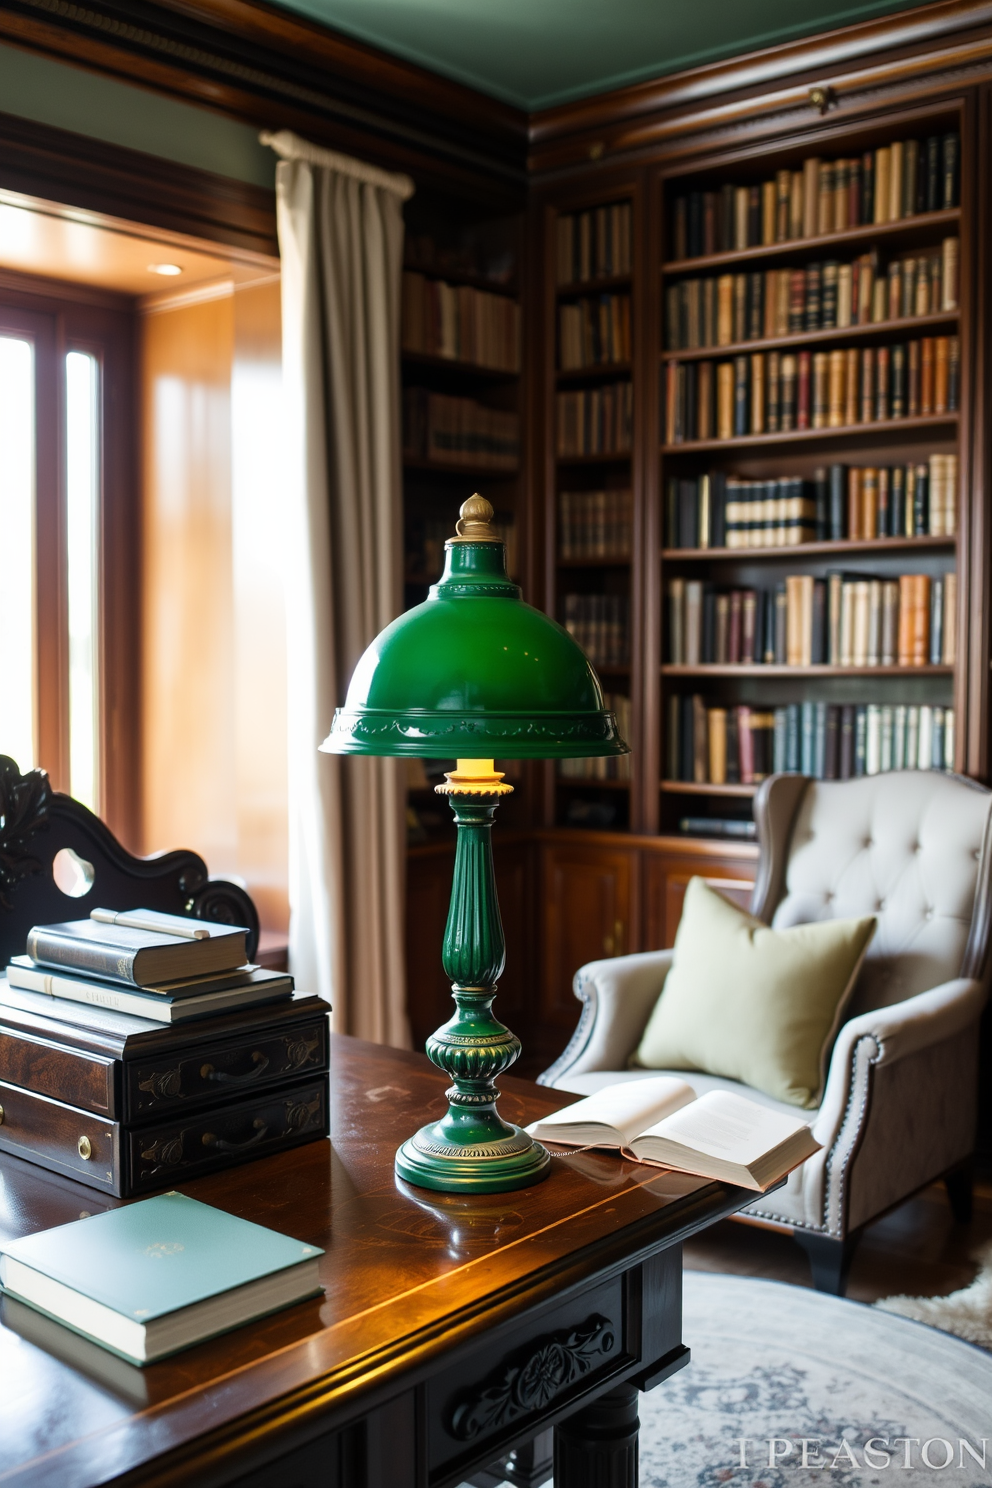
<point>472,1149</point>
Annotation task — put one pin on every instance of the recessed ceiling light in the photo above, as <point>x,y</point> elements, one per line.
<point>169,270</point>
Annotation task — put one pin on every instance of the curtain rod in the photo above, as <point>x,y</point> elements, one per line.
<point>291,147</point>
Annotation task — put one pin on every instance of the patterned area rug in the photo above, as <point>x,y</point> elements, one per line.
<point>774,1366</point>
<point>968,1313</point>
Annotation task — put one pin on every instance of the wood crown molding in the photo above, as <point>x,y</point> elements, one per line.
<point>42,163</point>
<point>950,36</point>
<point>272,70</point>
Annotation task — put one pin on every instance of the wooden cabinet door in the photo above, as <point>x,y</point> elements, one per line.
<point>667,873</point>
<point>589,899</point>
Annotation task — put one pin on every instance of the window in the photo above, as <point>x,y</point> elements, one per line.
<point>67,539</point>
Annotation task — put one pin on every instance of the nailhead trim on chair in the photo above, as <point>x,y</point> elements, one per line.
<point>585,991</point>
<point>867,1052</point>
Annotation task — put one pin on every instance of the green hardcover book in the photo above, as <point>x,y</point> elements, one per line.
<point>158,1276</point>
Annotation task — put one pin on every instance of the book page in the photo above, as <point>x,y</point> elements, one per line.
<point>625,1108</point>
<point>728,1126</point>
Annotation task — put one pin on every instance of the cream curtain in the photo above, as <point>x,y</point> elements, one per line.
<point>340,239</point>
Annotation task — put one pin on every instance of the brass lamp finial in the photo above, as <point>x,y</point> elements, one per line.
<point>475,521</point>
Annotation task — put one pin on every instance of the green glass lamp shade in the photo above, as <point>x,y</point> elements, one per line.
<point>474,672</point>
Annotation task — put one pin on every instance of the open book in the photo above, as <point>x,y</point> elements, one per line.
<point>659,1120</point>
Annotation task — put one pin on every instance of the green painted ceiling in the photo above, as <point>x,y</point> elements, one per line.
<point>534,53</point>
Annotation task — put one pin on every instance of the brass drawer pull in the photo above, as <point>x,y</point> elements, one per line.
<point>210,1140</point>
<point>258,1059</point>
<point>85,1148</point>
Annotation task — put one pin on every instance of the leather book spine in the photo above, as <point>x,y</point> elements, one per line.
<point>700,741</point>
<point>726,218</point>
<point>949,273</point>
<point>783,188</point>
<point>932,173</point>
<point>846,748</point>
<point>854,218</point>
<point>709,312</point>
<point>837,529</point>
<point>773,392</point>
<point>896,155</point>
<point>704,400</point>
<point>741,399</point>
<point>745,744</point>
<point>897,501</point>
<point>905,645</point>
<point>740,217</point>
<point>825,199</point>
<point>950,157</point>
<point>797,301</point>
<point>814,298</point>
<point>927,359</point>
<point>910,173</point>
<point>740,308</point>
<point>831,746</point>
<point>912,379</point>
<point>948,653</point>
<point>882,502</point>
<point>828,295</point>
<point>837,391</point>
<point>803,389</point>
<point>940,374</point>
<point>897,401</point>
<point>835,586</point>
<point>821,389</point>
<point>768,204</point>
<point>953,373</point>
<point>754,217</point>
<point>845,296</point>
<point>854,524</point>
<point>869,501</point>
<point>811,196</point>
<point>725,400</point>
<point>842,199</point>
<point>757,392</point>
<point>717,731</point>
<point>882,383</point>
<point>796,204</point>
<point>725,310</point>
<point>788,411</point>
<point>735,629</point>
<point>867,385</point>
<point>936,649</point>
<point>821,499</point>
<point>882,188</point>
<point>709,222</point>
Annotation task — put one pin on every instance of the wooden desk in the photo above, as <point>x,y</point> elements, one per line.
<point>453,1330</point>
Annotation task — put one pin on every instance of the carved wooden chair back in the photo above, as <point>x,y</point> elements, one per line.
<point>58,861</point>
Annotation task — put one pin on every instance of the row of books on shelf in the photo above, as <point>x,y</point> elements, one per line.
<point>724,310</point>
<point>600,623</point>
<point>595,421</point>
<point>425,540</point>
<point>603,768</point>
<point>460,323</point>
<point>827,741</point>
<point>842,620</point>
<point>779,392</point>
<point>902,179</point>
<point>595,524</point>
<point>594,332</point>
<point>841,502</point>
<point>459,431</point>
<point>596,244</point>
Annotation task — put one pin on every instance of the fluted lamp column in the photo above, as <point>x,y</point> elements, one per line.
<point>474,674</point>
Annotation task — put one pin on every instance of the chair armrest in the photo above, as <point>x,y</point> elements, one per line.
<point>617,998</point>
<point>892,1033</point>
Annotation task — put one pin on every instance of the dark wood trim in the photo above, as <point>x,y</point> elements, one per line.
<point>259,64</point>
<point>865,67</point>
<point>48,165</point>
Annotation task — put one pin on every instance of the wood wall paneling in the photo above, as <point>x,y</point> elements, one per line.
<point>590,910</point>
<point>666,876</point>
<point>213,656</point>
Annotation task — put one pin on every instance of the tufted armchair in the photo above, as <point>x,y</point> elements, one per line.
<point>899,1105</point>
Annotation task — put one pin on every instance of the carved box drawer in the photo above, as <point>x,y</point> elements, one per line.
<point>132,1070</point>
<point>124,1160</point>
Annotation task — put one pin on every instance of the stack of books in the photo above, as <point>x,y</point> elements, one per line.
<point>842,620</point>
<point>137,1046</point>
<point>781,392</point>
<point>726,309</point>
<point>721,745</point>
<point>899,180</point>
<point>718,510</point>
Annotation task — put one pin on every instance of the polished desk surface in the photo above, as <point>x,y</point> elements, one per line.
<point>406,1274</point>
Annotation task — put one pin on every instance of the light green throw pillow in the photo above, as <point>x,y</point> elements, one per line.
<point>752,1004</point>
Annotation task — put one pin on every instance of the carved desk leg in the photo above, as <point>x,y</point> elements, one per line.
<point>597,1447</point>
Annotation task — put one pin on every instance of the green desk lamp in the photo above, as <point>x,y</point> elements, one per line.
<point>474,674</point>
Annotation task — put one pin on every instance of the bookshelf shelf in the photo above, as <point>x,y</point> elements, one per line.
<point>881,330</point>
<point>451,364</point>
<point>859,433</point>
<point>443,467</point>
<point>474,281</point>
<point>589,782</point>
<point>691,788</point>
<point>597,372</point>
<point>810,550</point>
<point>579,287</point>
<point>919,229</point>
<point>768,669</point>
<point>621,457</point>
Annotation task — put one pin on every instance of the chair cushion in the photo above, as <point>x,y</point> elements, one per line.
<point>753,1004</point>
<point>903,846</point>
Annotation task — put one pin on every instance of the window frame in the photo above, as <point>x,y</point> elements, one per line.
<point>59,317</point>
